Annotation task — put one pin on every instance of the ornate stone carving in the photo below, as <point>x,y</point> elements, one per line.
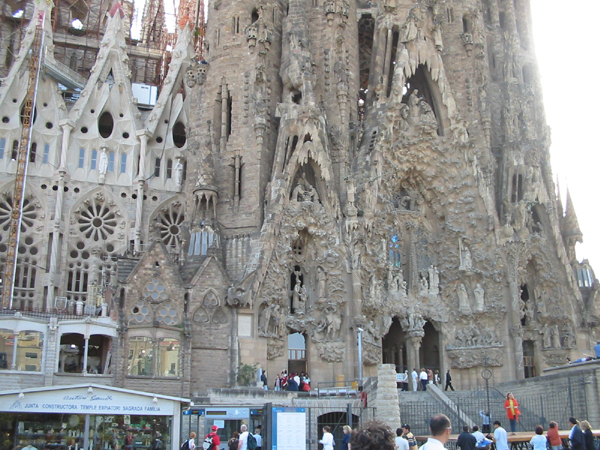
<point>467,358</point>
<point>332,351</point>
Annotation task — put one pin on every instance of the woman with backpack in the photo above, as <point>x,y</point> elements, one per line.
<point>232,444</point>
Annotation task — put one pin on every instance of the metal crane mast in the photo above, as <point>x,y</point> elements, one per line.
<point>22,163</point>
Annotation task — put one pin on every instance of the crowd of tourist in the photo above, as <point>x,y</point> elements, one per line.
<point>292,382</point>
<point>377,435</point>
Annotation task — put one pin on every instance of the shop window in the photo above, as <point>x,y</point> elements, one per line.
<point>7,346</point>
<point>168,358</point>
<point>29,351</point>
<point>141,356</point>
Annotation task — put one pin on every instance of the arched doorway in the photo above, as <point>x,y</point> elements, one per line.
<point>336,421</point>
<point>394,347</point>
<point>296,353</point>
<point>429,354</point>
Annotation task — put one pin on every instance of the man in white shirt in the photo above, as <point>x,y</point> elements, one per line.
<point>258,438</point>
<point>401,443</point>
<point>243,444</point>
<point>424,379</point>
<point>500,436</point>
<point>440,433</point>
<point>415,377</point>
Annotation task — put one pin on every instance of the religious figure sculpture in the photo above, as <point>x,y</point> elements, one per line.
<point>102,161</point>
<point>479,298</point>
<point>178,172</point>
<point>463,300</point>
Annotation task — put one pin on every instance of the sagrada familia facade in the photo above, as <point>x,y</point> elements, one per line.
<point>328,169</point>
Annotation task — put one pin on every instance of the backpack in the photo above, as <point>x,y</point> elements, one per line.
<point>251,442</point>
<point>208,442</point>
<point>185,445</point>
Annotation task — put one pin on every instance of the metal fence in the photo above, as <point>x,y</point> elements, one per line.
<point>562,399</point>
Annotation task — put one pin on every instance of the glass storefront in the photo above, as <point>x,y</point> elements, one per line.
<point>67,432</point>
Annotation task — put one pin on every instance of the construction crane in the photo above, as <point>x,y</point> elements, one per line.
<point>22,163</point>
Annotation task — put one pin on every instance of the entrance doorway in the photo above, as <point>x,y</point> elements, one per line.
<point>394,347</point>
<point>529,359</point>
<point>296,353</point>
<point>429,354</point>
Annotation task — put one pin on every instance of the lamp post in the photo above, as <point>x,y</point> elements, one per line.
<point>486,373</point>
<point>360,373</point>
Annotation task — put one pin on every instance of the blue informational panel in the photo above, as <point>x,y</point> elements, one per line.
<point>289,429</point>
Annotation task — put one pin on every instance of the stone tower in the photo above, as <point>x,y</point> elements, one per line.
<point>326,166</point>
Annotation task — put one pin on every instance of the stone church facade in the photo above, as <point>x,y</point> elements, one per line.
<point>328,167</point>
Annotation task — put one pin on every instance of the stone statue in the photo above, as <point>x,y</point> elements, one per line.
<point>321,285</point>
<point>554,332</point>
<point>264,320</point>
<point>479,298</point>
<point>434,280</point>
<point>102,161</point>
<point>190,77</point>
<point>410,28</point>
<point>569,338</point>
<point>302,297</point>
<point>463,300</point>
<point>304,191</point>
<point>423,285</point>
<point>466,261</point>
<point>295,297</point>
<point>178,172</point>
<point>334,323</point>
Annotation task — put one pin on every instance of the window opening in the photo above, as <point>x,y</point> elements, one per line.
<point>105,124</point>
<point>169,168</point>
<point>2,147</point>
<point>33,152</point>
<point>15,150</point>
<point>94,159</point>
<point>81,158</point>
<point>157,167</point>
<point>111,161</point>
<point>123,162</point>
<point>179,135</point>
<point>395,39</point>
<point>366,30</point>
<point>529,359</point>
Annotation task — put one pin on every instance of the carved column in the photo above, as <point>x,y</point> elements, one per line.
<point>515,328</point>
<point>143,136</point>
<point>413,348</point>
<point>67,126</point>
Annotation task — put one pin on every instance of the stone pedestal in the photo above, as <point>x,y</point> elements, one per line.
<point>386,401</point>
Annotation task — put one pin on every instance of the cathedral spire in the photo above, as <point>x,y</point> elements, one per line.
<point>570,228</point>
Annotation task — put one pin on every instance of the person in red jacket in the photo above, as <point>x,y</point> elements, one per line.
<point>512,411</point>
<point>212,437</point>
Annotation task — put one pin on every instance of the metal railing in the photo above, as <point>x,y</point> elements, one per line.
<point>566,398</point>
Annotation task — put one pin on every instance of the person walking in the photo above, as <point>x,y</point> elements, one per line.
<point>406,433</point>
<point>243,441</point>
<point>466,441</point>
<point>424,379</point>
<point>512,411</point>
<point>213,437</point>
<point>448,381</point>
<point>346,439</point>
<point>327,441</point>
<point>554,437</point>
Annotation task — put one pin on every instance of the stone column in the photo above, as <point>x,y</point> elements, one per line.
<point>387,403</point>
<point>412,351</point>
<point>143,136</point>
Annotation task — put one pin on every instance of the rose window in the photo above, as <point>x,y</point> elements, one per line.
<point>97,221</point>
<point>155,291</point>
<point>140,314</point>
<point>169,224</point>
<point>29,214</point>
<point>201,316</point>
<point>167,314</point>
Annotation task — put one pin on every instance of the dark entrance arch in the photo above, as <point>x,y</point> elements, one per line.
<point>336,421</point>
<point>429,354</point>
<point>394,347</point>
